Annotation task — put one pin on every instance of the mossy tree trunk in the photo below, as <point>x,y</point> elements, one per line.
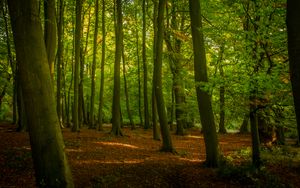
<point>203,98</point>
<point>50,162</point>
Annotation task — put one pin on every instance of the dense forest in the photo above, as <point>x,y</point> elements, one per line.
<point>170,68</point>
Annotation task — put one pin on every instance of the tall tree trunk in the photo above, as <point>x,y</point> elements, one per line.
<point>60,50</point>
<point>11,63</point>
<point>156,135</point>
<point>100,113</point>
<point>50,33</point>
<point>203,98</point>
<point>126,92</point>
<point>293,28</point>
<point>50,162</point>
<point>116,116</point>
<point>76,123</point>
<point>165,132</point>
<point>145,69</point>
<point>222,128</point>
<point>92,119</point>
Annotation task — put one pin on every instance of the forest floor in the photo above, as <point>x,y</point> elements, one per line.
<point>99,160</point>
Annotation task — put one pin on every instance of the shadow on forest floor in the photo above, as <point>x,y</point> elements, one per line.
<point>99,160</point>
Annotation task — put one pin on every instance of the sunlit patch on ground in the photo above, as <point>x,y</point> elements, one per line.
<point>118,144</point>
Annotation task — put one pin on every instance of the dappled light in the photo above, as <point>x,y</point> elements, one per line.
<point>117,144</point>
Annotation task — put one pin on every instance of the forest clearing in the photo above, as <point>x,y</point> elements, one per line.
<point>99,160</point>
<point>149,93</point>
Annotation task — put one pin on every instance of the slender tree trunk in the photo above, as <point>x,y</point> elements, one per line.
<point>165,132</point>
<point>156,135</point>
<point>100,118</point>
<point>50,33</point>
<point>92,120</point>
<point>116,116</point>
<point>145,69</point>
<point>203,98</point>
<point>50,162</point>
<point>60,50</point>
<point>293,27</point>
<point>126,92</point>
<point>222,128</point>
<point>76,123</point>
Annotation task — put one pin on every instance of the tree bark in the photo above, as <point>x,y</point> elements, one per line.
<point>203,98</point>
<point>92,119</point>
<point>100,118</point>
<point>60,50</point>
<point>145,70</point>
<point>76,123</point>
<point>50,162</point>
<point>116,116</point>
<point>162,114</point>
<point>50,33</point>
<point>293,28</point>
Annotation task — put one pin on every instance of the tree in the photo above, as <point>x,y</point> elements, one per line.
<point>60,49</point>
<point>76,123</point>
<point>102,68</point>
<point>203,98</point>
<point>116,112</point>
<point>94,65</point>
<point>50,33</point>
<point>293,28</point>
<point>50,162</point>
<point>157,82</point>
<point>145,67</point>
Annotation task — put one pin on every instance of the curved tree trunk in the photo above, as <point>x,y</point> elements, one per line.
<point>165,132</point>
<point>50,162</point>
<point>203,98</point>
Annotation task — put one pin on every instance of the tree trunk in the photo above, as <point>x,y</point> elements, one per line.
<point>116,116</point>
<point>100,118</point>
<point>60,50</point>
<point>222,128</point>
<point>50,33</point>
<point>254,131</point>
<point>162,114</point>
<point>76,123</point>
<point>50,162</point>
<point>156,135</point>
<point>138,66</point>
<point>244,126</point>
<point>203,98</point>
<point>91,119</point>
<point>126,92</point>
<point>293,28</point>
<point>145,69</point>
